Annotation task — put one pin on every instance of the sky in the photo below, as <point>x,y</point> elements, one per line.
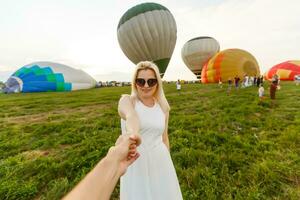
<point>83,34</point>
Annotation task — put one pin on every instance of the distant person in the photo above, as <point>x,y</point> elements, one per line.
<point>245,81</point>
<point>278,78</point>
<point>262,80</point>
<point>278,82</point>
<point>273,88</point>
<point>229,85</point>
<point>99,183</point>
<point>236,82</point>
<point>178,85</point>
<point>258,81</point>
<point>153,175</point>
<point>261,92</point>
<point>254,80</point>
<point>297,79</point>
<point>250,80</point>
<point>220,83</point>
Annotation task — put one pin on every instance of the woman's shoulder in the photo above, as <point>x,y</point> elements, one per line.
<point>165,109</point>
<point>127,99</point>
<point>126,105</point>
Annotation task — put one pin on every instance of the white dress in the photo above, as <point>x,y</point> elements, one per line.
<point>152,176</point>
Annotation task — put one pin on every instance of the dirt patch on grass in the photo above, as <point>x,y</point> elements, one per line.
<point>30,155</point>
<point>33,154</point>
<point>56,115</point>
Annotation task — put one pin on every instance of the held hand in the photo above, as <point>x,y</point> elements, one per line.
<point>100,182</point>
<point>125,151</point>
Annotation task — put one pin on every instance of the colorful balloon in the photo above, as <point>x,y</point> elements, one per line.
<point>286,70</point>
<point>228,64</point>
<point>48,76</point>
<point>197,51</point>
<point>148,32</point>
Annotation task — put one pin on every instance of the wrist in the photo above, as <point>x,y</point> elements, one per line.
<point>111,156</point>
<point>112,160</point>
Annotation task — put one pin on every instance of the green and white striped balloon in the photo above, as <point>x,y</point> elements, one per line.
<point>148,32</point>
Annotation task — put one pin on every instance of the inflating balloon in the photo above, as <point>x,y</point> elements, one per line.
<point>197,51</point>
<point>286,70</point>
<point>228,64</point>
<point>148,32</point>
<point>48,76</point>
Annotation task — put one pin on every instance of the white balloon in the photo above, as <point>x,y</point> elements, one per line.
<point>197,51</point>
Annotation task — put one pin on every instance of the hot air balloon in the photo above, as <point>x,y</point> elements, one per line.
<point>228,64</point>
<point>286,70</point>
<point>148,32</point>
<point>197,51</point>
<point>48,76</point>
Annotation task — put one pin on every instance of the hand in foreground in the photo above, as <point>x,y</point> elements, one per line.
<point>125,151</point>
<point>100,182</point>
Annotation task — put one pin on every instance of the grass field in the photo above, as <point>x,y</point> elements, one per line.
<point>223,146</point>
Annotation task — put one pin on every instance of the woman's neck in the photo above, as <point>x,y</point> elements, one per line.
<point>148,101</point>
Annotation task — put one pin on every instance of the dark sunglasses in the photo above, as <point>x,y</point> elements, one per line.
<point>141,82</point>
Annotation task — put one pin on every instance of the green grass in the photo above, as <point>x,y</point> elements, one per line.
<point>223,146</point>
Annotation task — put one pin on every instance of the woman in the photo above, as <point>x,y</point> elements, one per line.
<point>146,111</point>
<point>273,87</point>
<point>178,85</point>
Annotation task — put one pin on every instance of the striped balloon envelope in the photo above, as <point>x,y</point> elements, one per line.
<point>148,32</point>
<point>286,70</point>
<point>228,64</point>
<point>197,51</point>
<point>48,76</point>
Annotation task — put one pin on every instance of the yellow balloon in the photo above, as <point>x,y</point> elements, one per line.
<point>228,64</point>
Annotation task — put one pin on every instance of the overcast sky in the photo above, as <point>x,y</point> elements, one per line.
<point>83,34</point>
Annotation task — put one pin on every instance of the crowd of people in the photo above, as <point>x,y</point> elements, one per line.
<point>257,81</point>
<point>248,81</point>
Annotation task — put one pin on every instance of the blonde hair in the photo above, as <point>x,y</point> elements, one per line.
<point>159,94</point>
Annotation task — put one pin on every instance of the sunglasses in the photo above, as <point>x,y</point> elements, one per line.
<point>141,82</point>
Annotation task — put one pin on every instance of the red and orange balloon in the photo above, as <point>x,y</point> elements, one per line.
<point>286,70</point>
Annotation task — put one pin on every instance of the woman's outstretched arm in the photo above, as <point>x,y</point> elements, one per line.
<point>127,112</point>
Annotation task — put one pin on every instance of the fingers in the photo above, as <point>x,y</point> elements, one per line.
<point>132,146</point>
<point>133,158</point>
<point>126,146</point>
<point>124,140</point>
<point>131,139</point>
<point>132,151</point>
<point>136,138</point>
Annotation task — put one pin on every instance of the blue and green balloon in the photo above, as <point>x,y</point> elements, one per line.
<point>48,76</point>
